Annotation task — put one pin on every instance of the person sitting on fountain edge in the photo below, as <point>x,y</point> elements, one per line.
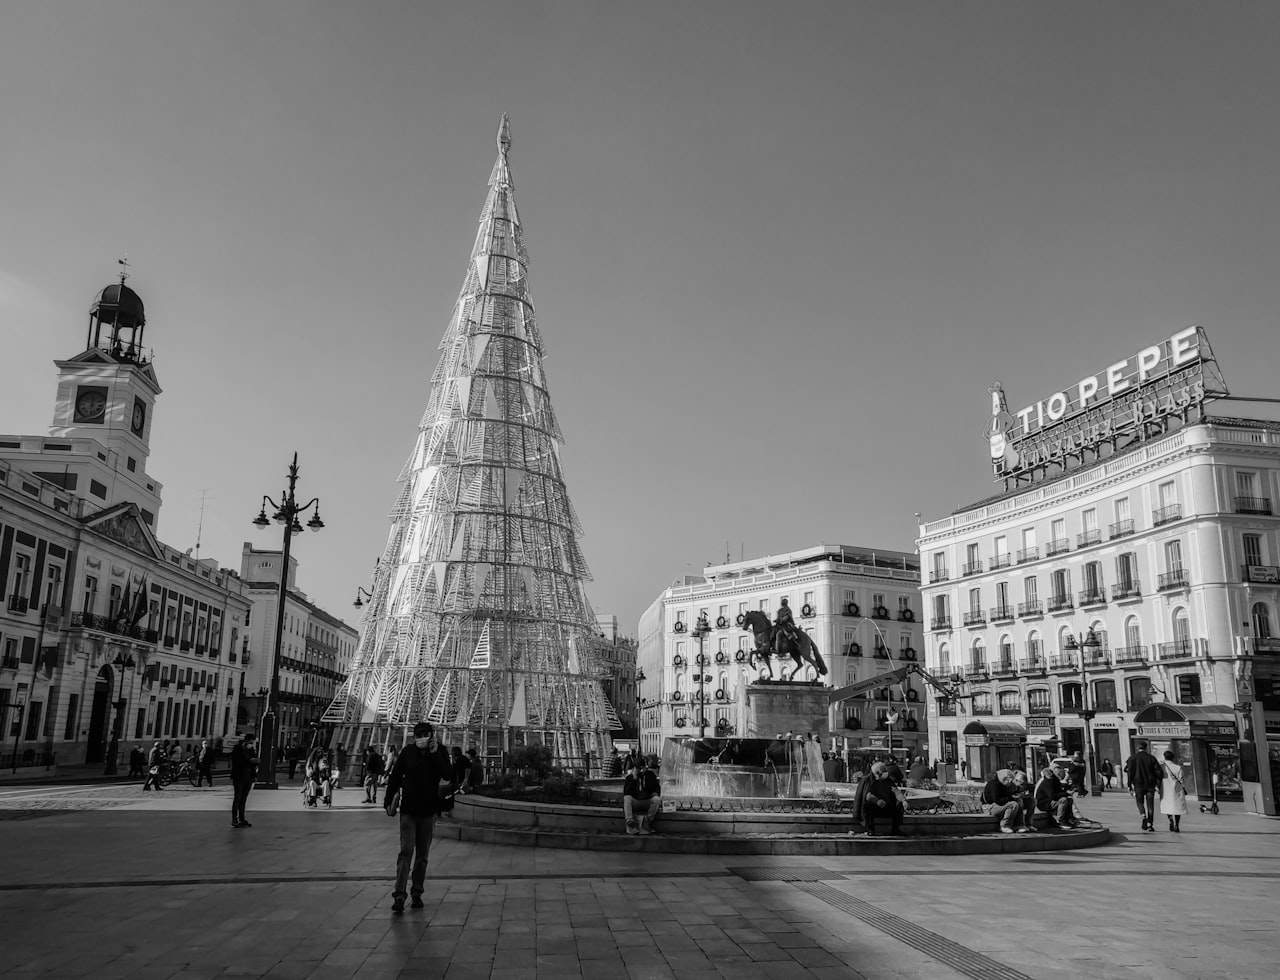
<point>641,789</point>
<point>879,800</point>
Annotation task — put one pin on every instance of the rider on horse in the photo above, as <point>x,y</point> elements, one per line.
<point>784,625</point>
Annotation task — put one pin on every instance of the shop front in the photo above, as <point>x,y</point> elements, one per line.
<point>1204,741</point>
<point>992,745</point>
<point>1042,746</point>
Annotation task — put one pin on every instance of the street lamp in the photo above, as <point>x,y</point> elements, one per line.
<point>362,592</point>
<point>640,679</point>
<point>21,708</point>
<point>700,630</point>
<point>287,512</point>
<point>1090,642</point>
<point>121,663</point>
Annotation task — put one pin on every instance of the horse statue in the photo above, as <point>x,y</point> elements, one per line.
<point>767,644</point>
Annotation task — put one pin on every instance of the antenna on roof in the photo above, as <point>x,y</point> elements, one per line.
<point>124,268</point>
<point>200,526</point>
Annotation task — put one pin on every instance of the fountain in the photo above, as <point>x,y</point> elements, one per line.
<point>740,768</point>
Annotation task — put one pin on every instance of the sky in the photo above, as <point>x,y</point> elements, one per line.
<point>779,251</point>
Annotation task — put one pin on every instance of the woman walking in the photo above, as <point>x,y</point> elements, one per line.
<point>1173,795</point>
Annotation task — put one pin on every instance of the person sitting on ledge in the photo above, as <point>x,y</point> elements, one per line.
<point>881,800</point>
<point>998,800</point>
<point>1054,799</point>
<point>641,789</point>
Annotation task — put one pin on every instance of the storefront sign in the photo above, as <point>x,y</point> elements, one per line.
<point>976,740</point>
<point>1212,729</point>
<point>1040,726</point>
<point>1153,385</point>
<point>1263,573</point>
<point>1165,731</point>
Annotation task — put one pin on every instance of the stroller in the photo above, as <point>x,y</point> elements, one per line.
<point>318,787</point>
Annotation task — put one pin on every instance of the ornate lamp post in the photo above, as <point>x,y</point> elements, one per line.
<point>700,630</point>
<point>361,594</point>
<point>287,514</point>
<point>640,679</point>
<point>1088,643</point>
<point>122,662</point>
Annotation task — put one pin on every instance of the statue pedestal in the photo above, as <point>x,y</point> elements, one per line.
<point>798,708</point>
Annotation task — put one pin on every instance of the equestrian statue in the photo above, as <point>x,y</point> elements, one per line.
<point>782,638</point>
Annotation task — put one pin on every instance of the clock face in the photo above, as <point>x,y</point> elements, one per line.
<point>139,417</point>
<point>90,404</point>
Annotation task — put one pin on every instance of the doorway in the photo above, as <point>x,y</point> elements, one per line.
<point>1072,740</point>
<point>96,747</point>
<point>1107,746</point>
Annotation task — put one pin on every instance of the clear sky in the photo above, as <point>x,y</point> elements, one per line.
<point>779,250</point>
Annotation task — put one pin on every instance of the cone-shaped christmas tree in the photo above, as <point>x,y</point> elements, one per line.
<point>478,621</point>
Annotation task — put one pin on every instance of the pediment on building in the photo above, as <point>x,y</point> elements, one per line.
<point>123,523</point>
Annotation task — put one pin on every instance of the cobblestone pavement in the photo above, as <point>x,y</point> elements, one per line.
<point>120,884</point>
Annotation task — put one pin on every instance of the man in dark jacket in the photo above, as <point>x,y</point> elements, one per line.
<point>881,800</point>
<point>641,790</point>
<point>244,768</point>
<point>204,763</point>
<point>1052,798</point>
<point>1144,782</point>
<point>998,800</point>
<point>413,788</point>
<point>373,769</point>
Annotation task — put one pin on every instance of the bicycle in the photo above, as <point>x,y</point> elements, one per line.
<point>188,768</point>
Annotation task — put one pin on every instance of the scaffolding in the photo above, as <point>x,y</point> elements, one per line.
<point>478,620</point>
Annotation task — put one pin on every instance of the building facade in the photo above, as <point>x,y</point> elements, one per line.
<point>617,658</point>
<point>861,608</point>
<point>1130,592</point>
<point>315,651</point>
<point>109,638</point>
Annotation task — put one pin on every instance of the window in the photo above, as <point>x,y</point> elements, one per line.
<point>1181,628</point>
<point>1188,689</point>
<point>21,574</point>
<point>1104,696</point>
<point>1002,546</point>
<point>1139,692</point>
<point>1167,494</point>
<point>1060,584</point>
<point>99,490</point>
<point>1002,594</point>
<point>1132,632</point>
<point>1010,703</point>
<point>1173,556</point>
<point>1029,588</point>
<point>53,711</point>
<point>1006,653</point>
<point>53,585</point>
<point>132,464</point>
<point>1093,581</point>
<point>113,604</point>
<point>1028,538</point>
<point>972,561</point>
<point>1070,695</point>
<point>1090,519</point>
<point>34,711</point>
<point>942,609</point>
<point>90,593</point>
<point>877,600</point>
<point>1058,529</point>
<point>944,659</point>
<point>1126,570</point>
<point>978,655</point>
<point>1038,701</point>
<point>1122,510</point>
<point>808,599</point>
<point>975,600</point>
<point>1246,484</point>
<point>982,703</point>
<point>1252,549</point>
<point>73,718</point>
<point>1261,621</point>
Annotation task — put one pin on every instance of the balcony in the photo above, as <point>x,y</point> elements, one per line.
<point>975,617</point>
<point>971,568</point>
<point>1089,538</point>
<point>940,623</point>
<point>1253,505</point>
<point>1131,589</point>
<point>946,709</point>
<point>1058,603</point>
<point>1264,574</point>
<point>1040,709</point>
<point>1001,613</point>
<point>1177,650</point>
<point>1093,597</point>
<point>939,575</point>
<point>977,672</point>
<point>998,562</point>
<point>1136,654</point>
<point>104,624</point>
<point>169,641</point>
<point>1031,665</point>
<point>1032,607</point>
<point>17,604</point>
<point>1028,554</point>
<point>1062,661</point>
<point>1175,579</point>
<point>1106,706</point>
<point>1058,546</point>
<point>1120,529</point>
<point>1096,659</point>
<point>1003,668</point>
<point>1166,515</point>
<point>1266,644</point>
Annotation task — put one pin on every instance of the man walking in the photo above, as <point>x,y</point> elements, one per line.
<point>244,768</point>
<point>413,789</point>
<point>373,769</point>
<point>1144,781</point>
<point>204,763</point>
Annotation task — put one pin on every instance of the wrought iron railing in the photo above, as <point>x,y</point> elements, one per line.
<point>1253,505</point>
<point>1089,538</point>
<point>1120,529</point>
<point>1166,515</point>
<point>1174,579</point>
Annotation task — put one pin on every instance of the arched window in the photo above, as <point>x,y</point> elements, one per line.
<point>1039,702</point>
<point>944,659</point>
<point>1006,652</point>
<point>1035,647</point>
<point>1069,695</point>
<point>982,703</point>
<point>1010,703</point>
<point>1132,634</point>
<point>1181,633</point>
<point>1104,696</point>
<point>1139,692</point>
<point>978,654</point>
<point>1261,621</point>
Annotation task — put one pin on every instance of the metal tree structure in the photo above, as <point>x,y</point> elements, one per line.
<point>478,620</point>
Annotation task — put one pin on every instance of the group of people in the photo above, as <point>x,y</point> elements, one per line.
<point>1149,778</point>
<point>150,765</point>
<point>1010,795</point>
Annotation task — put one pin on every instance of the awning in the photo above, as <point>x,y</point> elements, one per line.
<point>994,733</point>
<point>1164,720</point>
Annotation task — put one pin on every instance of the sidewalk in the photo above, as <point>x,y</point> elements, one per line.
<point>107,882</point>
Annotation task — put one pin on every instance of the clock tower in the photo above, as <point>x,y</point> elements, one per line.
<point>107,392</point>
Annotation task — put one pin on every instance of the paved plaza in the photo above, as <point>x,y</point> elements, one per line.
<point>104,881</point>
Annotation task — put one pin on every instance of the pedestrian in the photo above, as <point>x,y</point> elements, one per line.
<point>1053,798</point>
<point>373,769</point>
<point>339,766</point>
<point>1144,782</point>
<point>244,768</point>
<point>476,778</point>
<point>880,799</point>
<point>204,763</point>
<point>1078,775</point>
<point>413,792</point>
<point>137,763</point>
<point>641,790</point>
<point>1173,794</point>
<point>155,761</point>
<point>294,755</point>
<point>461,770</point>
<point>1107,771</point>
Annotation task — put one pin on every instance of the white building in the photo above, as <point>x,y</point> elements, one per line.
<point>1123,587</point>
<point>861,607</point>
